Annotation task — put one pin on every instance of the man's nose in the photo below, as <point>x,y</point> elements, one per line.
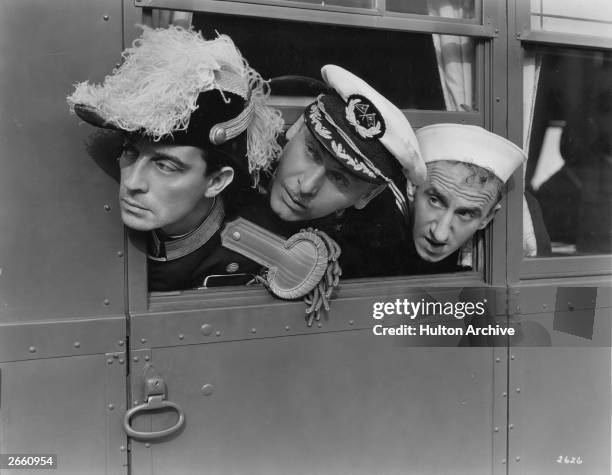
<point>311,179</point>
<point>133,176</point>
<point>441,227</point>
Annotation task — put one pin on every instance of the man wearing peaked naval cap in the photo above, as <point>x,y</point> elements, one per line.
<point>467,168</point>
<point>195,121</point>
<point>346,148</point>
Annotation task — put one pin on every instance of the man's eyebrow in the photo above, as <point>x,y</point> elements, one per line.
<point>432,190</point>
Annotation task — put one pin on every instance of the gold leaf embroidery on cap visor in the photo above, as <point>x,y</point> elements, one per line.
<point>315,117</point>
<point>358,166</point>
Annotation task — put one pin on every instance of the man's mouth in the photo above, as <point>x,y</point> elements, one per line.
<point>132,205</point>
<point>434,244</point>
<point>294,201</point>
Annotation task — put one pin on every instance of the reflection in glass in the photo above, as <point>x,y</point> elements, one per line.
<point>570,156</point>
<point>459,9</point>
<point>593,17</point>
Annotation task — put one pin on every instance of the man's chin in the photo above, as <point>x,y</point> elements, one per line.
<point>428,256</point>
<point>136,224</point>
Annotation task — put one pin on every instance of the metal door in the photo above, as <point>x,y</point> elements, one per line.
<point>264,394</point>
<point>62,317</point>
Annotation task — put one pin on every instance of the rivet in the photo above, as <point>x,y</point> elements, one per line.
<point>120,342</point>
<point>122,448</point>
<point>253,330</point>
<point>496,30</point>
<point>143,340</point>
<point>181,336</point>
<point>518,459</point>
<point>32,349</point>
<point>206,329</point>
<point>148,444</point>
<point>570,306</point>
<point>136,359</point>
<point>544,306</point>
<point>498,99</point>
<point>504,461</point>
<point>496,429</point>
<point>147,357</point>
<point>504,394</point>
<point>518,390</point>
<point>109,361</point>
<point>106,302</point>
<point>218,333</point>
<point>107,207</point>
<point>287,328</point>
<point>511,426</point>
<point>115,355</point>
<point>135,403</point>
<point>351,322</point>
<point>236,236</point>
<point>77,344</point>
<point>121,361</point>
<point>111,407</point>
<point>105,17</point>
<point>512,357</point>
<point>497,360</point>
<point>207,389</point>
<point>119,253</point>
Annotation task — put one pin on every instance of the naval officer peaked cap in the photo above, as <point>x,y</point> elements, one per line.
<point>470,144</point>
<point>363,130</point>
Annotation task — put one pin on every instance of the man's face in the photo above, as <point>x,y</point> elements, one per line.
<point>309,183</point>
<point>448,210</point>
<point>162,186</point>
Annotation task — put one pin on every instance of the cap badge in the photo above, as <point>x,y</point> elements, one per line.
<point>364,117</point>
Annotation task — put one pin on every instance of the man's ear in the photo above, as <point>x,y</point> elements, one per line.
<point>297,125</point>
<point>489,217</point>
<point>410,190</point>
<point>369,196</point>
<point>218,181</point>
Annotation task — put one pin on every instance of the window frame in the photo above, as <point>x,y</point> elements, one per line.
<point>491,92</point>
<point>530,268</point>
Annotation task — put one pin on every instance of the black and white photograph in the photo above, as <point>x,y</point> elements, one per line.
<point>295,237</point>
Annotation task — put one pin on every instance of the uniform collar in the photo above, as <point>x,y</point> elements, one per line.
<point>172,249</point>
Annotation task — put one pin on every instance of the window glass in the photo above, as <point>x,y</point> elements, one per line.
<point>593,17</point>
<point>369,4</point>
<point>569,172</point>
<point>459,9</point>
<point>402,66</point>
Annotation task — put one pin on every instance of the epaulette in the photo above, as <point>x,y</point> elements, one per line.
<point>303,266</point>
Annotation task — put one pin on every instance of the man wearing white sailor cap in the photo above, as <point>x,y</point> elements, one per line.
<point>345,149</point>
<point>467,168</point>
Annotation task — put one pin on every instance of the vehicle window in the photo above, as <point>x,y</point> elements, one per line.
<point>402,66</point>
<point>569,172</point>
<point>458,9</point>
<point>591,18</point>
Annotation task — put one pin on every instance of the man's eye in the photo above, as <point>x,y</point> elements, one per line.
<point>166,166</point>
<point>128,151</point>
<point>465,215</point>
<point>338,178</point>
<point>434,201</point>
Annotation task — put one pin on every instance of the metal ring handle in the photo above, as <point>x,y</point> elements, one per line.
<point>154,403</point>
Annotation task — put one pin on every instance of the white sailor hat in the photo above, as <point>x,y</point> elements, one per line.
<point>363,130</point>
<point>470,144</point>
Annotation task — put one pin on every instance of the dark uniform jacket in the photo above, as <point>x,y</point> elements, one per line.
<point>197,259</point>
